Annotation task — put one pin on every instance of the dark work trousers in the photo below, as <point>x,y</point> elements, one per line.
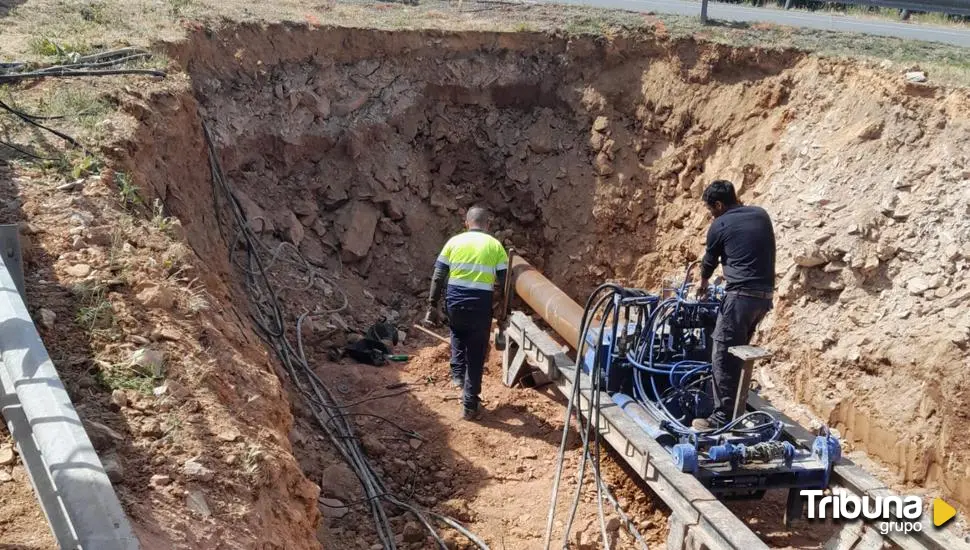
<point>736,324</point>
<point>469,348</point>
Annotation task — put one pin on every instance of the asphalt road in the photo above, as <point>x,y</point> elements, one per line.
<point>736,13</point>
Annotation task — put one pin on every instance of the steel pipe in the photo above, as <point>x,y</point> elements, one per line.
<point>562,313</point>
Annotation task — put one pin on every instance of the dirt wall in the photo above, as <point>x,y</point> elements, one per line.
<point>361,148</point>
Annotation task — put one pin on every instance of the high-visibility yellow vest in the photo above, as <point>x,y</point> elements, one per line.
<point>473,258</point>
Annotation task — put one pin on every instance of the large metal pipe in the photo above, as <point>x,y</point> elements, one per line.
<point>562,313</point>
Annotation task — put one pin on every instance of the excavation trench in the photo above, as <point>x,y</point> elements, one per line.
<point>353,154</point>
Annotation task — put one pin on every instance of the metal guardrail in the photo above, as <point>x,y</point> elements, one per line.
<point>68,478</point>
<point>949,7</point>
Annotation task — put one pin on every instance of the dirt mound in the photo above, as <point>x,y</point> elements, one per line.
<point>353,154</point>
<point>593,155</point>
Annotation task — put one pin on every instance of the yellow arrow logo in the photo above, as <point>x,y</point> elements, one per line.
<point>942,512</point>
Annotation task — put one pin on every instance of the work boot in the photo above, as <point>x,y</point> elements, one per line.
<point>713,422</point>
<point>471,414</point>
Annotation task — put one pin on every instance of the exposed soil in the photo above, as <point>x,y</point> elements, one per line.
<point>360,149</point>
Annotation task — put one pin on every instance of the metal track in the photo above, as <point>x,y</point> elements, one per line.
<point>855,479</point>
<point>68,478</point>
<point>698,519</point>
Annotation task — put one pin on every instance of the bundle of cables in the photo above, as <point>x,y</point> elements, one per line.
<point>268,314</point>
<point>604,306</point>
<point>106,63</point>
<point>666,347</point>
<point>641,330</point>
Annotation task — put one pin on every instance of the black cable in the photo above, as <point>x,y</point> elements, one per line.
<point>32,122</point>
<point>617,295</point>
<point>411,433</point>
<point>72,73</point>
<point>375,398</point>
<point>268,315</point>
<point>25,152</point>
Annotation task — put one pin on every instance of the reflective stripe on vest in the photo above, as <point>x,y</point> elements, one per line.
<point>473,258</point>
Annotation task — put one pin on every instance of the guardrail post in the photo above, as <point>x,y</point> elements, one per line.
<point>703,11</point>
<point>12,257</point>
<point>71,474</point>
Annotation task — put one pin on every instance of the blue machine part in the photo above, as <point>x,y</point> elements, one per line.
<point>828,449</point>
<point>685,457</point>
<point>765,451</point>
<point>653,359</point>
<point>634,410</point>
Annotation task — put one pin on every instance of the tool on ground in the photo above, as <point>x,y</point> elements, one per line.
<point>432,333</point>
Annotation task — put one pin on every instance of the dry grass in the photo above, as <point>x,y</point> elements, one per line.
<point>44,30</point>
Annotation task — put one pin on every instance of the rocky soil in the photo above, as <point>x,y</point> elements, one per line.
<point>595,170</point>
<point>353,154</point>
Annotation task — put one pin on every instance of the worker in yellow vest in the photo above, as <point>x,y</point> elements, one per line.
<point>473,264</point>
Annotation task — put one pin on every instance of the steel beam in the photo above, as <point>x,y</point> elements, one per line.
<point>699,513</point>
<point>55,438</point>
<point>854,479</point>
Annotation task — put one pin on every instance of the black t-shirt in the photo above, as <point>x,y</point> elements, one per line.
<point>743,241</point>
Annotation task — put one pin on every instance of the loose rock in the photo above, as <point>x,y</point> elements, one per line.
<point>119,398</point>
<point>7,456</point>
<point>294,228</point>
<point>156,296</point>
<point>333,508</point>
<point>373,446</point>
<point>78,270</point>
<point>148,360</point>
<point>809,256</point>
<point>413,532</point>
<point>160,480</point>
<point>359,233</point>
<point>228,435</point>
<point>917,286</point>
<point>339,482</point>
<point>102,437</point>
<point>166,334</point>
<point>47,318</point>
<point>195,501</point>
<point>916,76</point>
<point>196,470</point>
<point>114,469</point>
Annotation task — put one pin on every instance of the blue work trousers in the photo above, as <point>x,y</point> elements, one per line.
<point>469,347</point>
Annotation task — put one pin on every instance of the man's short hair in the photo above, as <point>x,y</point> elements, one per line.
<point>720,190</point>
<point>477,215</point>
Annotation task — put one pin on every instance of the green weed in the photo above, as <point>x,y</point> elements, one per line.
<point>61,50</point>
<point>127,191</point>
<point>95,313</point>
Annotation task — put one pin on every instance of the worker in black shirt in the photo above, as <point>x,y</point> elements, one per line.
<point>742,240</point>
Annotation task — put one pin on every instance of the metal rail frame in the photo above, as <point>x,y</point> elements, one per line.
<point>67,476</point>
<point>698,519</point>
